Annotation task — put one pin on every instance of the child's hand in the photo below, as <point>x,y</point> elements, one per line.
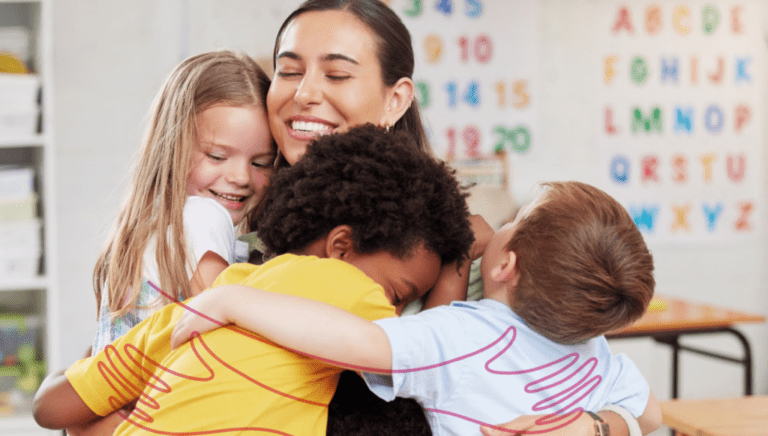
<point>201,314</point>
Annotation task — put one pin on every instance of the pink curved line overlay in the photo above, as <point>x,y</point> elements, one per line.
<point>587,384</point>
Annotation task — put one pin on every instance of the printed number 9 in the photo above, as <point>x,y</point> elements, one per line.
<point>433,45</point>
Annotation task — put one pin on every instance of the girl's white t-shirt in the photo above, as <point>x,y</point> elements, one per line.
<point>207,227</point>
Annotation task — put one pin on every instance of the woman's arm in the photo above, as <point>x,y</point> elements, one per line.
<point>650,420</point>
<point>345,340</point>
<point>583,426</point>
<point>453,280</point>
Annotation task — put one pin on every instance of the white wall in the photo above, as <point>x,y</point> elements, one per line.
<point>111,56</point>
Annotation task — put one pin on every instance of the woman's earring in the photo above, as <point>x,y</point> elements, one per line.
<point>387,127</point>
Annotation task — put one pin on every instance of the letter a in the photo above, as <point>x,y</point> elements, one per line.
<point>623,21</point>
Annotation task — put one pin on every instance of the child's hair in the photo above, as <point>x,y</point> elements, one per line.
<point>584,267</point>
<point>155,202</point>
<point>393,195</point>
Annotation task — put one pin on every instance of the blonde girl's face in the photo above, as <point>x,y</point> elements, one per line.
<point>327,79</point>
<point>233,158</point>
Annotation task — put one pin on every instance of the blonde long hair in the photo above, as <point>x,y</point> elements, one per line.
<point>154,205</point>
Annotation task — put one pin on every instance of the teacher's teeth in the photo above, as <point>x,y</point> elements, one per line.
<point>310,126</point>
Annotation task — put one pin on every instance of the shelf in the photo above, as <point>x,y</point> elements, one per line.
<point>30,284</point>
<point>22,141</point>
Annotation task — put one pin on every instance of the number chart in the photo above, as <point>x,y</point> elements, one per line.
<point>475,78</point>
<point>681,116</point>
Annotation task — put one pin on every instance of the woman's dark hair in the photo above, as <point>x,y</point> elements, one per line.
<point>394,196</point>
<point>393,41</point>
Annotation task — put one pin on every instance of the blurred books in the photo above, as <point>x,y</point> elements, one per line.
<point>20,229</point>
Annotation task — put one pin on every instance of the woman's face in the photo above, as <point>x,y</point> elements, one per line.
<point>327,79</point>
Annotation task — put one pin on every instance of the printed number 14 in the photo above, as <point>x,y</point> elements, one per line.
<point>471,94</point>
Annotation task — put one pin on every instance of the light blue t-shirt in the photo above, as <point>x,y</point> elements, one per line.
<point>480,363</point>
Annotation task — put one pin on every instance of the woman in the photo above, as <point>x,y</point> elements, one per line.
<point>341,63</point>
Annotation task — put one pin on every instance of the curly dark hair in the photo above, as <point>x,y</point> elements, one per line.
<point>393,195</point>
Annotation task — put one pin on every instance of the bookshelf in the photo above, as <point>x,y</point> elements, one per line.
<point>28,287</point>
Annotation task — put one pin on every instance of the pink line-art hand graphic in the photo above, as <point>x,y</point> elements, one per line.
<point>564,382</point>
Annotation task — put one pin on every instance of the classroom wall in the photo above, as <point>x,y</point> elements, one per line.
<point>111,56</point>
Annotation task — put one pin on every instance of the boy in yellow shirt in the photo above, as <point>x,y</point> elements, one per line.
<point>364,222</point>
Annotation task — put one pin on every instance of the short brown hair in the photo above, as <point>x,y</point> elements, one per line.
<point>584,267</point>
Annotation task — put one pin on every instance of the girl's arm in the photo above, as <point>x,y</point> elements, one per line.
<point>345,340</point>
<point>57,405</point>
<point>208,268</point>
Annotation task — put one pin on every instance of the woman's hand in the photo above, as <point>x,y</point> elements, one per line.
<point>202,314</point>
<point>574,424</point>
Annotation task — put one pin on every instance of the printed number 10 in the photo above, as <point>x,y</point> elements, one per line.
<point>483,48</point>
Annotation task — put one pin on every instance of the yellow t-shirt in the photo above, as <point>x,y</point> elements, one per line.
<point>228,380</point>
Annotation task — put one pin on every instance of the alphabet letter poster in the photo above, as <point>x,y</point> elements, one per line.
<point>682,114</point>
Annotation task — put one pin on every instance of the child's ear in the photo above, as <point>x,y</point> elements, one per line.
<point>338,243</point>
<point>506,269</point>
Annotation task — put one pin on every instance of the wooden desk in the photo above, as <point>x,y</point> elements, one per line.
<point>746,416</point>
<point>680,317</point>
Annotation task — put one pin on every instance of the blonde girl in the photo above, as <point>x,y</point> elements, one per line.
<point>205,162</point>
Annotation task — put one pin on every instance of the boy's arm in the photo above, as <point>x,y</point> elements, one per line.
<point>306,326</point>
<point>99,427</point>
<point>57,405</point>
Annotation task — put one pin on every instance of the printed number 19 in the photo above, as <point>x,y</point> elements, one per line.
<point>471,137</point>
